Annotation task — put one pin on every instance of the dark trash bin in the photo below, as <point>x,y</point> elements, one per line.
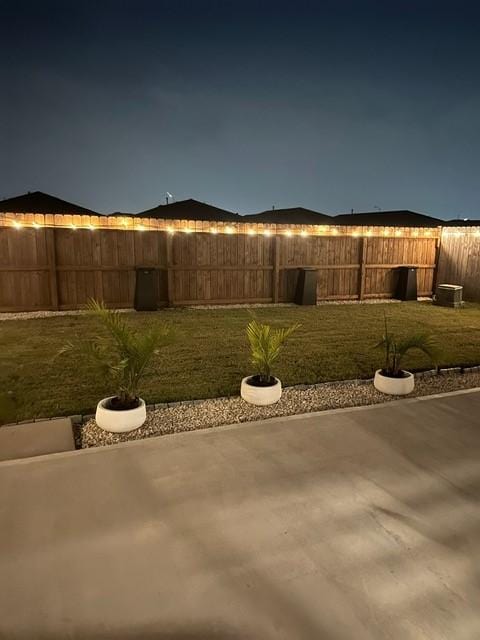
<point>407,283</point>
<point>146,294</point>
<point>306,292</point>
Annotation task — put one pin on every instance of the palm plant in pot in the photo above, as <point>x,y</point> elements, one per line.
<point>123,357</point>
<point>265,344</point>
<point>392,379</point>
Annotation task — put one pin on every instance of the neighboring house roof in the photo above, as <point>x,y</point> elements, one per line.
<point>388,219</point>
<point>189,210</point>
<point>39,202</point>
<point>468,222</point>
<point>294,215</point>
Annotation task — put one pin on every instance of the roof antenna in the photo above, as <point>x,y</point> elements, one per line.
<point>273,207</point>
<point>377,207</point>
<point>167,196</point>
<point>351,210</point>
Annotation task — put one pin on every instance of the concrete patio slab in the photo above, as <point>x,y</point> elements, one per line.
<point>355,524</point>
<point>36,438</point>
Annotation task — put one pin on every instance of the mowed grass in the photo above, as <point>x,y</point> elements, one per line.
<point>209,355</point>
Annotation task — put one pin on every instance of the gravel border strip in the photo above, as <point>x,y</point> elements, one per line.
<point>34,315</point>
<point>177,417</point>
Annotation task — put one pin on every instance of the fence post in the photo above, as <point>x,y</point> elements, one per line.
<point>276,268</point>
<point>169,257</point>
<point>97,256</point>
<point>438,248</point>
<point>52,266</point>
<point>362,270</point>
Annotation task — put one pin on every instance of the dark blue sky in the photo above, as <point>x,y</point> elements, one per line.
<point>329,105</point>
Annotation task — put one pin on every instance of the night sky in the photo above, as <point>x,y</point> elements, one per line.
<point>327,105</point>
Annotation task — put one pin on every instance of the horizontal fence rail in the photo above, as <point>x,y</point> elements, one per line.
<point>60,261</point>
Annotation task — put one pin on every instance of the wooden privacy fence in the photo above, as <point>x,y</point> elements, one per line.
<point>459,261</point>
<point>59,262</point>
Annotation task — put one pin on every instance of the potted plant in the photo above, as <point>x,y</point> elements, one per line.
<point>123,356</point>
<point>265,344</point>
<point>392,379</point>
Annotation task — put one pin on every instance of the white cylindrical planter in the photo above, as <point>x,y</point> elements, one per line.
<point>261,396</point>
<point>394,386</point>
<point>120,421</point>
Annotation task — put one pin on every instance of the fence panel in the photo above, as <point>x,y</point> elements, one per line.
<point>459,261</point>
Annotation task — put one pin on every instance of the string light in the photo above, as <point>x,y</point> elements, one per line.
<point>335,232</point>
<point>369,232</point>
<point>188,230</point>
<point>385,232</point>
<point>267,232</point>
<point>170,230</point>
<point>303,233</point>
<point>91,227</point>
<point>398,232</point>
<point>252,232</point>
<point>17,224</point>
<point>73,227</point>
<point>288,233</point>
<point>35,225</point>
<point>140,227</point>
<point>213,230</point>
<point>230,230</point>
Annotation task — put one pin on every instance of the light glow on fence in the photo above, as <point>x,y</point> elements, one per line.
<point>288,233</point>
<point>252,232</point>
<point>303,233</point>
<point>230,230</point>
<point>267,232</point>
<point>214,231</point>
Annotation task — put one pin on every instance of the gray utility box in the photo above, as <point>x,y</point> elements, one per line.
<point>449,295</point>
<point>306,292</point>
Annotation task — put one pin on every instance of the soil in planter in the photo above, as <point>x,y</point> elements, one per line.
<point>115,404</point>
<point>399,375</point>
<point>257,381</point>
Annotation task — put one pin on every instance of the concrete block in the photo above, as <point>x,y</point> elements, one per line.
<point>36,439</point>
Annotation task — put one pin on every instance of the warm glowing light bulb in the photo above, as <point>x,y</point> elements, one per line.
<point>188,230</point>
<point>17,225</point>
<point>335,232</point>
<point>170,230</point>
<point>288,233</point>
<point>304,234</point>
<point>74,227</point>
<point>385,232</point>
<point>267,232</point>
<point>141,227</point>
<point>369,232</point>
<point>230,230</point>
<point>214,231</point>
<point>398,232</point>
<point>35,225</point>
<point>251,232</point>
<point>355,234</point>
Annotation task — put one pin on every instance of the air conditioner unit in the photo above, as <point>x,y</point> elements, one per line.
<point>449,295</point>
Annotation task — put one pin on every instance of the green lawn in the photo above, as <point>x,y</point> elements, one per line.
<point>209,355</point>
